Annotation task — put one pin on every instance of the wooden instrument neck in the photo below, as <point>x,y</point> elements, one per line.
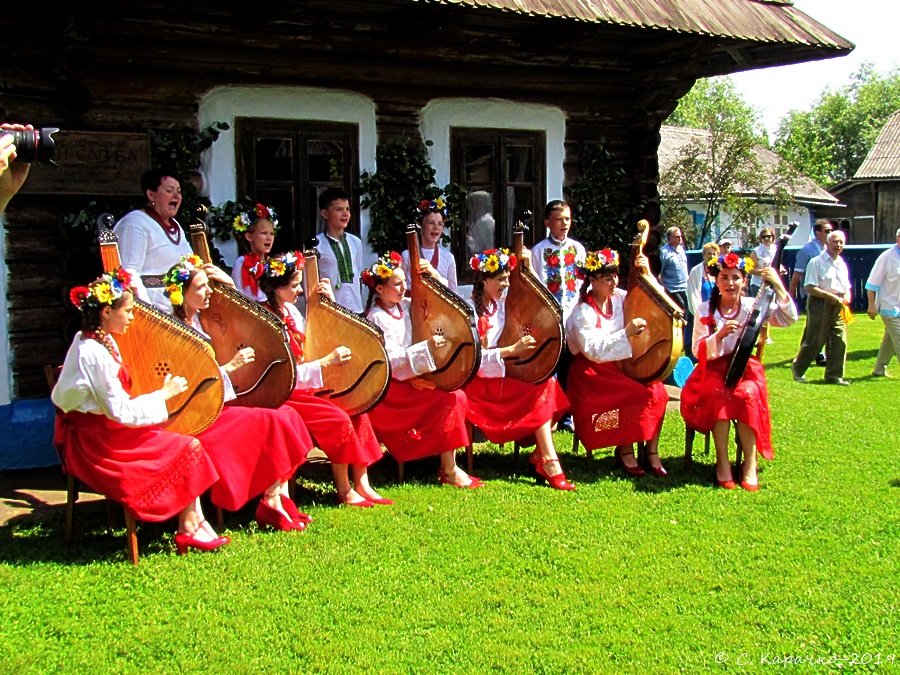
<point>311,272</point>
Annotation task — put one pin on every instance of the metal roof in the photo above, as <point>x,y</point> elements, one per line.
<point>766,21</point>
<point>674,139</point>
<point>883,160</point>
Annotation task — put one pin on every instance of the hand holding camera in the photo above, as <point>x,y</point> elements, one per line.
<point>21,144</point>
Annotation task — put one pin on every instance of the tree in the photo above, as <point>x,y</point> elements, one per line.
<point>829,141</point>
<point>722,166</point>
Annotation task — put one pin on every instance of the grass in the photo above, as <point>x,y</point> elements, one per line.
<point>625,575</point>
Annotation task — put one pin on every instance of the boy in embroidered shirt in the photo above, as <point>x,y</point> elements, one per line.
<point>340,259</point>
<point>553,260</point>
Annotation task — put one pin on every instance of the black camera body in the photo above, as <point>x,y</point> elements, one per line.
<point>33,145</point>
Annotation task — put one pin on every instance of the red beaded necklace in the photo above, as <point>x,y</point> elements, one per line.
<point>104,339</point>
<point>490,313</point>
<point>172,228</point>
<point>729,317</point>
<point>391,314</point>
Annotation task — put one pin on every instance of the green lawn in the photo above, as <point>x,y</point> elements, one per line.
<point>627,575</point>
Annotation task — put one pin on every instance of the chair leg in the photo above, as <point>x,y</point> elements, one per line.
<point>689,445</point>
<point>220,518</point>
<point>131,536</point>
<point>641,454</point>
<point>470,431</point>
<point>71,498</point>
<point>738,449</point>
<point>400,467</point>
<point>516,448</point>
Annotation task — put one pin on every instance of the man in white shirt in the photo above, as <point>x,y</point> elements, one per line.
<point>340,253</point>
<point>827,286</point>
<point>883,293</point>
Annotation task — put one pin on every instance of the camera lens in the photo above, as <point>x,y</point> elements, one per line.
<point>33,145</point>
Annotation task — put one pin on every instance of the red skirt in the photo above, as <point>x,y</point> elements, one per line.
<point>416,423</point>
<point>155,473</point>
<point>705,399</point>
<point>507,409</point>
<point>252,448</point>
<point>612,409</point>
<point>345,439</point>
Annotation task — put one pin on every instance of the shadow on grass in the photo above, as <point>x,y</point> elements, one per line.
<point>857,355</point>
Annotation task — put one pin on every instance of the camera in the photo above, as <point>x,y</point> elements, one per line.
<point>33,145</point>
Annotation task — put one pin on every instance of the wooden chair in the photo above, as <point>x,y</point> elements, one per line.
<point>74,487</point>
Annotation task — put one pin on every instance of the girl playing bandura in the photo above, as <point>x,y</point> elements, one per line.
<point>706,403</point>
<point>414,419</point>
<point>504,408</point>
<point>259,448</point>
<point>610,408</point>
<point>113,442</point>
<point>345,440</point>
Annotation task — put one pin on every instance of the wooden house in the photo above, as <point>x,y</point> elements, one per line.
<point>507,92</point>
<point>872,195</point>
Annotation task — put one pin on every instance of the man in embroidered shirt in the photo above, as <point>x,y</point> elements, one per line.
<point>553,260</point>
<point>674,268</point>
<point>827,286</point>
<point>340,253</point>
<point>883,293</point>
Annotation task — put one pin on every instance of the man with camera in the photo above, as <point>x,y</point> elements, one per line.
<point>12,174</point>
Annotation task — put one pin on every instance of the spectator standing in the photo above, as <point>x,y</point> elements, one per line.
<point>883,292</point>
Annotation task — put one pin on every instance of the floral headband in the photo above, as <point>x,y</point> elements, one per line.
<point>247,219</point>
<point>493,261</point>
<point>382,270</point>
<point>594,261</point>
<point>729,261</point>
<point>104,290</point>
<point>177,277</point>
<point>284,263</point>
<point>436,205</point>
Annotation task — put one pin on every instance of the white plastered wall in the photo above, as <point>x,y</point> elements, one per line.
<point>224,104</point>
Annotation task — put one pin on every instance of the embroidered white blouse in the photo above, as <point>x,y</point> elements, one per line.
<point>89,383</point>
<point>309,373</point>
<point>145,249</point>
<point>782,315</point>
<point>446,266</point>
<point>492,364</point>
<point>407,360</point>
<point>600,339</point>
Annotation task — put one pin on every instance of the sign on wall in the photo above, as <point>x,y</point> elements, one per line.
<point>92,163</point>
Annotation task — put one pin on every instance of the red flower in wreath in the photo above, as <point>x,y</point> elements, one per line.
<point>396,258</point>
<point>78,295</point>
<point>123,276</point>
<point>261,211</point>
<point>731,260</point>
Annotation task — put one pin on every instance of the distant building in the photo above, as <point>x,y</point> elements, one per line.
<point>872,196</point>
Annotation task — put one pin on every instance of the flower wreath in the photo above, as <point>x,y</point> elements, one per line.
<point>247,219</point>
<point>493,261</point>
<point>104,290</point>
<point>436,205</point>
<point>594,261</point>
<point>381,270</point>
<point>284,264</point>
<point>177,277</point>
<point>729,261</point>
